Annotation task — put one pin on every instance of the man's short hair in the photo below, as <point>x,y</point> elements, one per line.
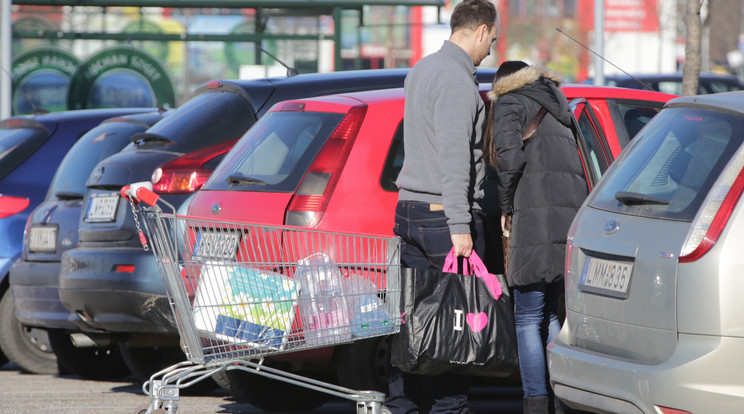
<point>470,14</point>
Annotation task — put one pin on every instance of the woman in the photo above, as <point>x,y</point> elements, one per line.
<point>541,184</point>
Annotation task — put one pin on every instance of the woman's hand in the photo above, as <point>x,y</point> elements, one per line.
<point>504,230</point>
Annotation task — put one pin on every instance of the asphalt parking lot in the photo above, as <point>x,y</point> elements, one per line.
<point>22,393</point>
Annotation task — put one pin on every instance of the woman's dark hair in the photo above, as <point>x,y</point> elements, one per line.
<point>509,67</point>
<point>489,151</point>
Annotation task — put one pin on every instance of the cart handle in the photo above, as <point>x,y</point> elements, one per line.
<point>141,191</point>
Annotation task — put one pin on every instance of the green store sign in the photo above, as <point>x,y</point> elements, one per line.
<point>41,79</point>
<point>121,77</point>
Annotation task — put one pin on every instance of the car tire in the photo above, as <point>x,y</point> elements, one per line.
<point>145,361</point>
<point>269,394</point>
<point>96,363</point>
<point>3,359</point>
<point>363,365</point>
<point>26,347</point>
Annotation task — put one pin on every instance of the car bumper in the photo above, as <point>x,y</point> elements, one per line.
<point>35,288</point>
<point>113,301</point>
<point>702,375</point>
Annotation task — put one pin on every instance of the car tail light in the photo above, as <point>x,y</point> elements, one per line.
<point>187,174</point>
<point>10,205</point>
<point>124,268</point>
<point>715,211</point>
<point>667,410</point>
<point>309,203</point>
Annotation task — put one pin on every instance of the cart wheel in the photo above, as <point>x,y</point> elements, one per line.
<point>273,395</point>
<point>363,365</point>
<point>142,409</point>
<point>97,363</point>
<point>143,362</point>
<point>27,347</point>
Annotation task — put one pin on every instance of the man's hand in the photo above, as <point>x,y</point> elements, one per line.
<point>463,244</point>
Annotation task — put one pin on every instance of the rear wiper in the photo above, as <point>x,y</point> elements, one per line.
<point>241,180</point>
<point>146,137</point>
<point>632,198</point>
<point>68,195</point>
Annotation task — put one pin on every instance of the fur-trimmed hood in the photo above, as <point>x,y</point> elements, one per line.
<point>521,78</point>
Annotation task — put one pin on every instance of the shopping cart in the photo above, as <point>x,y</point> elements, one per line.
<point>241,292</point>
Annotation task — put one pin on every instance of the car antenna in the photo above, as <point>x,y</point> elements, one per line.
<point>290,70</point>
<point>645,85</point>
<point>37,110</point>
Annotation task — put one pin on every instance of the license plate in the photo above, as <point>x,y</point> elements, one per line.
<point>42,239</point>
<point>606,277</point>
<point>102,208</point>
<point>211,244</point>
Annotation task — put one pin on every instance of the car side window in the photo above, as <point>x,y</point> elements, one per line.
<point>393,162</point>
<point>630,116</point>
<point>598,160</point>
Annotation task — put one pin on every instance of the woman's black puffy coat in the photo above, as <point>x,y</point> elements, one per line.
<point>542,182</point>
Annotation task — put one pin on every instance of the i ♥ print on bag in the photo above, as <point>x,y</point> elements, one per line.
<point>477,322</point>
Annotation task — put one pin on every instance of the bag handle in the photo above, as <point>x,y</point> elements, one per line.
<point>450,264</point>
<point>476,267</point>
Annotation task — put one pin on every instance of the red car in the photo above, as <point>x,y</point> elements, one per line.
<point>331,163</point>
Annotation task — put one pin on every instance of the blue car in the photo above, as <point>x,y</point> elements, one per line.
<point>31,149</point>
<point>53,229</point>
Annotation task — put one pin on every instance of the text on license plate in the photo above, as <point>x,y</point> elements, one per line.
<point>42,239</point>
<point>216,244</point>
<point>607,277</point>
<point>102,208</point>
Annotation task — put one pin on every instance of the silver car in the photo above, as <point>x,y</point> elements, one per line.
<point>655,271</point>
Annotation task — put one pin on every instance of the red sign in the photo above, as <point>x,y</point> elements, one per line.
<point>631,16</point>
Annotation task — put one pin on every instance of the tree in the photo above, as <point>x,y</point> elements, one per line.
<point>693,55</point>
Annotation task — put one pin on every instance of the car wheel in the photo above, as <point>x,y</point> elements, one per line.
<point>363,365</point>
<point>143,362</point>
<point>98,363</point>
<point>3,359</point>
<point>27,347</point>
<point>273,395</point>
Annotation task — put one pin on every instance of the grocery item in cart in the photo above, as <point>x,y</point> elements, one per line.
<point>323,308</point>
<point>366,308</point>
<point>240,304</point>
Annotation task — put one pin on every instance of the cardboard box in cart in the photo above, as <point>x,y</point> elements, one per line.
<point>240,304</point>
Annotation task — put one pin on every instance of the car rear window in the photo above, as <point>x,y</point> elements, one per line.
<point>18,140</point>
<point>206,119</point>
<point>274,154</point>
<point>672,164</point>
<point>97,144</point>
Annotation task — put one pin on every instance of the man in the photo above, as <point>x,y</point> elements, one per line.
<point>440,181</point>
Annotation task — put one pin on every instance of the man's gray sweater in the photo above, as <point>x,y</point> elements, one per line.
<point>444,116</point>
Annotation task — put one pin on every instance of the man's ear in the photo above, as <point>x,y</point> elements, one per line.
<point>483,32</point>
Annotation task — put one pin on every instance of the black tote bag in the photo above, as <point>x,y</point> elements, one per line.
<point>452,323</point>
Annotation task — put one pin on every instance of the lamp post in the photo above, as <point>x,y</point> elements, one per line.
<point>6,45</point>
<point>599,42</point>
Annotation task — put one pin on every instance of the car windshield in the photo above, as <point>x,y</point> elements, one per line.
<point>211,117</point>
<point>17,144</point>
<point>275,153</point>
<point>95,145</point>
<point>671,165</point>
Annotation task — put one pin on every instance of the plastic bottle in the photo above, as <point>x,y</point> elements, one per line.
<point>323,309</point>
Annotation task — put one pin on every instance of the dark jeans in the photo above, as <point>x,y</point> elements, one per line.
<point>425,243</point>
<point>537,323</point>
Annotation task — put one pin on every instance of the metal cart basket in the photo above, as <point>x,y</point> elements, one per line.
<point>241,292</point>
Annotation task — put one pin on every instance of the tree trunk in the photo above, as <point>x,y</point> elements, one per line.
<point>693,57</point>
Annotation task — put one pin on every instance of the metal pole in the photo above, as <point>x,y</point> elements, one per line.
<point>6,45</point>
<point>599,23</point>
